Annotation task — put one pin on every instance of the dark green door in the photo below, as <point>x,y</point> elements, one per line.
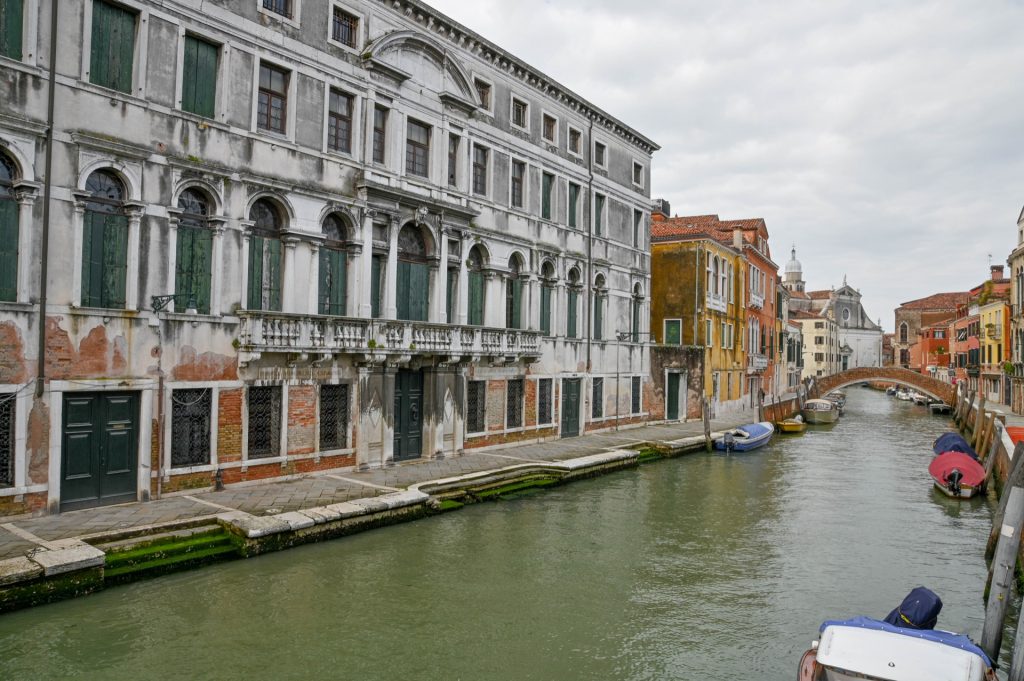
<point>98,453</point>
<point>570,407</point>
<point>673,397</point>
<point>408,415</point>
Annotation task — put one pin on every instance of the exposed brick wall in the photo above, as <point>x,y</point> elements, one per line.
<point>13,368</point>
<point>206,366</point>
<point>229,425</point>
<point>506,438</point>
<point>530,409</point>
<point>495,409</point>
<point>30,503</point>
<point>97,356</point>
<point>301,419</point>
<point>37,445</point>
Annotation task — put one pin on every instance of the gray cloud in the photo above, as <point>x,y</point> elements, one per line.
<point>884,138</point>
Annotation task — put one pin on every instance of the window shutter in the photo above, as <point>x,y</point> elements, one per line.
<point>598,316</point>
<point>115,261</point>
<point>113,47</point>
<point>255,273</point>
<point>570,322</point>
<point>189,74</point>
<point>99,59</point>
<point>183,279</point>
<point>202,269</point>
<point>403,297</point>
<point>124,47</point>
<point>273,274</point>
<point>8,249</point>
<point>337,284</point>
<point>420,281</point>
<point>199,77</point>
<point>476,298</point>
<point>11,22</point>
<point>375,274</point>
<point>453,278</point>
<point>636,321</point>
<point>517,308</point>
<point>325,281</point>
<point>545,310</point>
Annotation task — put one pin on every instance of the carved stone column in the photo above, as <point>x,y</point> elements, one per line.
<point>288,294</point>
<point>391,279</point>
<point>313,296</point>
<point>26,198</point>
<point>365,308</point>
<point>135,211</point>
<point>78,229</point>
<point>219,266</point>
<point>440,312</point>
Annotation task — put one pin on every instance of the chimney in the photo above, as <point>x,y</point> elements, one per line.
<point>661,207</point>
<point>737,238</point>
<point>997,272</point>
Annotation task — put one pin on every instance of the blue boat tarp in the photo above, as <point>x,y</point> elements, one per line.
<point>946,638</point>
<point>919,610</point>
<point>746,437</point>
<point>753,430</point>
<point>953,442</point>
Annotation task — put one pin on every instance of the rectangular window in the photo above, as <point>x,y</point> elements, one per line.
<point>550,128</point>
<point>636,394</point>
<point>673,332</point>
<point>638,221</point>
<point>547,187</point>
<point>725,335</point>
<point>264,422</point>
<point>344,27</point>
<point>104,259</point>
<point>272,113</point>
<point>282,7</point>
<point>520,110</point>
<point>574,202</point>
<point>518,182</point>
<point>709,338</point>
<point>7,402</point>
<point>480,170</point>
<point>545,309</point>
<point>113,46</point>
<point>190,427</point>
<point>544,402</point>
<point>333,417</point>
<point>483,91</point>
<point>514,403</point>
<point>597,403</point>
<point>476,402</point>
<point>571,314</point>
<point>638,174</point>
<point>453,283</point>
<point>599,317</point>
<point>819,357</point>
<point>199,77</point>
<point>339,122</point>
<point>417,149</point>
<point>376,285</point>
<point>574,140</point>
<point>453,160</point>
<point>380,125</point>
<point>598,214</point>
<point>11,22</point>
<point>599,154</point>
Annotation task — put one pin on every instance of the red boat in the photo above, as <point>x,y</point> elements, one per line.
<point>957,474</point>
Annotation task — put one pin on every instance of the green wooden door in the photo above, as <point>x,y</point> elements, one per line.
<point>413,286</point>
<point>408,415</point>
<point>333,274</point>
<point>476,299</point>
<point>104,259</point>
<point>570,407</point>
<point>8,249</point>
<point>99,450</point>
<point>11,23</point>
<point>672,397</point>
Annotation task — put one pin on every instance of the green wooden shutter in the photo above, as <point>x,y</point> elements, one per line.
<point>8,248</point>
<point>570,319</point>
<point>183,278</point>
<point>90,268</point>
<point>574,193</point>
<point>598,316</point>
<point>199,77</point>
<point>545,310</point>
<point>324,282</point>
<point>636,321</point>
<point>476,299</point>
<point>113,46</point>
<point>598,212</point>
<point>546,197</point>
<point>403,294</point>
<point>255,297</point>
<point>202,269</point>
<point>376,270</point>
<point>517,307</point>
<point>273,294</point>
<point>11,22</point>
<point>453,280</point>
<point>115,261</point>
<point>420,292</point>
<point>332,282</point>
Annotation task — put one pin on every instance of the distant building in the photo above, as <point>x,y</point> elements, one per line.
<point>820,343</point>
<point>1016,263</point>
<point>913,315</point>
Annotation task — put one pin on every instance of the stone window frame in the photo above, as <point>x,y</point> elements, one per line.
<point>512,101</point>
<point>360,29</point>
<point>544,116</point>
<point>291,98</point>
<point>221,108</point>
<point>547,419</point>
<point>578,152</point>
<point>26,191</point>
<point>525,189</point>
<point>216,221</point>
<point>637,165</point>
<point>22,397</point>
<point>489,107</point>
<point>356,138</point>
<point>282,450</point>
<point>29,35</point>
<point>594,143</point>
<point>294,19</point>
<point>141,54</point>
<point>351,418</point>
<point>215,390</point>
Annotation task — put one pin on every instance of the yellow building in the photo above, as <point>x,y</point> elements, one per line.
<point>697,299</point>
<point>995,349</point>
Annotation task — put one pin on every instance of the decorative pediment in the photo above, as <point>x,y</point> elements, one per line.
<point>407,55</point>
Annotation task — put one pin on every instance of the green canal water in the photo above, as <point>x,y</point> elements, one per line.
<point>705,567</point>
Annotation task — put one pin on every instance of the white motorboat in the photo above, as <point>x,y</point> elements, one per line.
<point>820,411</point>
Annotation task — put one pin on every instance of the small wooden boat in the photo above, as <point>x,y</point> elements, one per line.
<point>921,399</point>
<point>900,648</point>
<point>820,411</point>
<point>793,425</point>
<point>745,438</point>
<point>940,408</point>
<point>903,395</point>
<point>957,475</point>
<point>891,391</point>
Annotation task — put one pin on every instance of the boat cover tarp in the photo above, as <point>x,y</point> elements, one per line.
<point>972,471</point>
<point>953,442</point>
<point>944,637</point>
<point>919,610</point>
<point>752,430</point>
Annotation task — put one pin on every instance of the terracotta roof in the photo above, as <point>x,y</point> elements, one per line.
<point>937,301</point>
<point>803,314</point>
<point>697,225</point>
<point>799,294</point>
<point>819,295</point>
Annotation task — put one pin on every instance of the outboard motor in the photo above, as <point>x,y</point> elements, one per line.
<point>953,481</point>
<point>730,441</point>
<point>919,610</point>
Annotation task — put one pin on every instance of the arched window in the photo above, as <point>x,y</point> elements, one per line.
<point>104,242</point>
<point>599,299</point>
<point>514,294</point>
<point>715,286</point>
<point>903,332</point>
<point>413,281</point>
<point>333,267</point>
<point>475,265</point>
<point>547,275</point>
<point>571,303</point>
<point>637,303</point>
<point>265,256</point>
<point>8,230</point>
<point>193,270</point>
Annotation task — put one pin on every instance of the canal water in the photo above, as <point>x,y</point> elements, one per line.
<point>705,567</point>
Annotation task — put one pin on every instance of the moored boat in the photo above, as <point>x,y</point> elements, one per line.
<point>922,399</point>
<point>791,425</point>
<point>953,442</point>
<point>891,391</point>
<point>745,438</point>
<point>940,408</point>
<point>903,394</point>
<point>820,411</point>
<point>957,475</point>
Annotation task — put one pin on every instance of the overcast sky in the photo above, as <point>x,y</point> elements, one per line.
<point>884,139</point>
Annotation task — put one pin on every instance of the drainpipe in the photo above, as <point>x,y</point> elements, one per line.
<point>590,241</point>
<point>44,248</point>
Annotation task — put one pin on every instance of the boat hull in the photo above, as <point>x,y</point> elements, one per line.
<point>819,417</point>
<point>966,491</point>
<point>732,442</point>
<point>791,426</point>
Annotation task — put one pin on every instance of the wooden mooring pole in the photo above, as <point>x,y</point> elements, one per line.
<point>706,414</point>
<point>1017,663</point>
<point>979,419</point>
<point>1014,479</point>
<point>993,452</point>
<point>1003,574</point>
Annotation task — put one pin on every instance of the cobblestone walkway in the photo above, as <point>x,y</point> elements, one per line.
<point>19,535</point>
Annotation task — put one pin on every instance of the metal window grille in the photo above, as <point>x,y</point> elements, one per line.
<point>597,404</point>
<point>264,422</point>
<point>282,7</point>
<point>514,404</point>
<point>345,27</point>
<point>476,400</point>
<point>7,440</point>
<point>333,417</point>
<point>544,416</point>
<point>190,427</point>
<point>636,394</point>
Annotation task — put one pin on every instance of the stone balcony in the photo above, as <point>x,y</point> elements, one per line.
<point>756,301</point>
<point>378,340</point>
<point>757,362</point>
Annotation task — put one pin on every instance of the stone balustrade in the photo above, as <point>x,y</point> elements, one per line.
<point>757,362</point>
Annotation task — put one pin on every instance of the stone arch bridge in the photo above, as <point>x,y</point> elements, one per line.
<point>920,382</point>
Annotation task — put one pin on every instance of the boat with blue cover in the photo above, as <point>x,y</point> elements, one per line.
<point>745,438</point>
<point>953,442</point>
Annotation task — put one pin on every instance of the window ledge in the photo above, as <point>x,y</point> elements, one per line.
<point>112,94</point>
<point>15,306</point>
<point>280,18</point>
